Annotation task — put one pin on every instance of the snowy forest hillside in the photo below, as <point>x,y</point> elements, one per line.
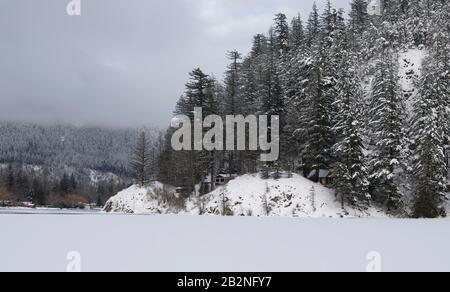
<point>60,146</point>
<point>363,100</point>
<point>363,96</point>
<point>50,164</point>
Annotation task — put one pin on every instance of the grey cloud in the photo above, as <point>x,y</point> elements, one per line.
<point>122,63</point>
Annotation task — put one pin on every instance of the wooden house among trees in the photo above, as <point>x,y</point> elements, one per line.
<point>222,179</point>
<point>324,177</point>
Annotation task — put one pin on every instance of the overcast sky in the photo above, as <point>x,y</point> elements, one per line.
<point>121,63</point>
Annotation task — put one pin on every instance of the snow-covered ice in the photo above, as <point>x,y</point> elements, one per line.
<point>223,244</point>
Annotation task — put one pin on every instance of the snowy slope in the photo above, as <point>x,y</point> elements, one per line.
<point>248,195</point>
<point>286,197</point>
<point>146,200</point>
<point>410,70</point>
<point>132,200</point>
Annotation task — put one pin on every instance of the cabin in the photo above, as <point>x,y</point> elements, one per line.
<point>223,179</point>
<point>325,177</point>
<point>219,180</point>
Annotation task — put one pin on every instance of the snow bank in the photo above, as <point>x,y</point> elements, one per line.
<point>154,199</point>
<point>248,195</point>
<point>132,200</point>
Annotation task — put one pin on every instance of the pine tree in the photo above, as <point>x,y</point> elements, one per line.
<point>251,106</point>
<point>281,35</point>
<point>358,25</point>
<point>312,28</point>
<point>273,99</point>
<point>430,127</point>
<point>296,76</point>
<point>64,185</point>
<point>233,103</point>
<point>387,121</point>
<point>248,91</point>
<point>232,81</point>
<point>141,160</point>
<point>332,51</point>
<point>350,170</point>
<point>10,179</point>
<point>358,16</point>
<point>39,196</point>
<point>327,23</point>
<point>418,22</point>
<point>259,46</point>
<point>73,183</point>
<point>196,93</point>
<point>273,102</point>
<point>99,201</point>
<point>201,92</point>
<point>297,35</point>
<point>315,121</point>
<point>21,183</point>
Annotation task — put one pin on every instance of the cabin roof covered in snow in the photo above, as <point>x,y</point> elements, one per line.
<point>224,175</point>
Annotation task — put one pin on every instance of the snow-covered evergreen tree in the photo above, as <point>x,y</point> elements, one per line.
<point>350,171</point>
<point>359,17</point>
<point>312,28</point>
<point>281,34</point>
<point>387,124</point>
<point>297,34</point>
<point>430,126</point>
<point>232,80</point>
<point>319,92</point>
<point>140,163</point>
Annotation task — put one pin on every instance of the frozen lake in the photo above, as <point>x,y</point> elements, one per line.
<point>28,211</point>
<point>42,242</point>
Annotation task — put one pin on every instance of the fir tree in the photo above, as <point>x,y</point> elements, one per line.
<point>10,179</point>
<point>297,35</point>
<point>141,160</point>
<point>273,99</point>
<point>73,183</point>
<point>350,169</point>
<point>312,28</point>
<point>64,185</point>
<point>281,35</point>
<point>430,127</point>
<point>387,113</point>
<point>358,16</point>
<point>232,80</point>
<point>39,196</point>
